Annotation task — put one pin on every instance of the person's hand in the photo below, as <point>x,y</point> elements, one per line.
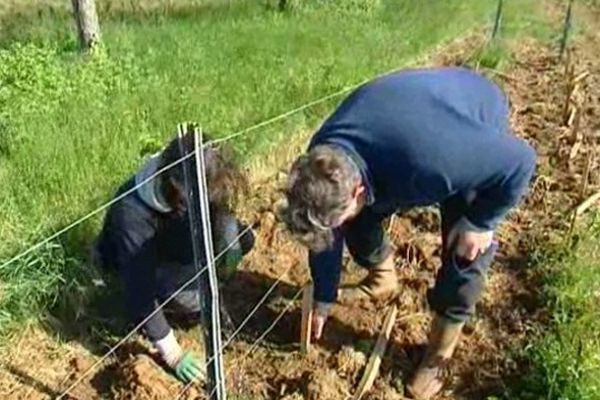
<point>319,317</point>
<point>318,322</point>
<point>470,244</point>
<point>188,368</point>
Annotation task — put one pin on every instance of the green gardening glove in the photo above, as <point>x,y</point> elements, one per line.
<point>231,259</point>
<point>188,368</point>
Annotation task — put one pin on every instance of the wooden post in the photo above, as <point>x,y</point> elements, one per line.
<point>200,229</point>
<point>307,313</point>
<point>86,19</point>
<point>374,363</point>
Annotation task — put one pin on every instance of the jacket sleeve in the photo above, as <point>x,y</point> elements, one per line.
<point>134,254</point>
<point>514,162</point>
<point>325,269</point>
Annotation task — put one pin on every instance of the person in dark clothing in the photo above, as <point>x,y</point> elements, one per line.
<point>146,240</point>
<point>411,138</point>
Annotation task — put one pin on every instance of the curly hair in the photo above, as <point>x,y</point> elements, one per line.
<point>320,186</point>
<point>225,182</point>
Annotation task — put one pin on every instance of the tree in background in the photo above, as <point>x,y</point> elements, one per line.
<point>86,18</point>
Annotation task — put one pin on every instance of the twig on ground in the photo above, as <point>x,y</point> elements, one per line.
<point>588,203</point>
<point>372,368</point>
<point>307,313</point>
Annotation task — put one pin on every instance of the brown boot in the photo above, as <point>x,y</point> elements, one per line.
<point>381,283</point>
<point>443,338</point>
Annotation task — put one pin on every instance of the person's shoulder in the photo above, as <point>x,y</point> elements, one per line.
<point>128,210</point>
<point>410,84</point>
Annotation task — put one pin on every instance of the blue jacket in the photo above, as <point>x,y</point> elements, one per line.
<point>419,137</point>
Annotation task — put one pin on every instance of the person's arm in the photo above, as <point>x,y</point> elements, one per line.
<point>137,262</point>
<point>137,269</point>
<point>237,239</point>
<point>325,269</point>
<point>514,163</point>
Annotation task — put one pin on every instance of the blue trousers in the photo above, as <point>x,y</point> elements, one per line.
<point>459,283</point>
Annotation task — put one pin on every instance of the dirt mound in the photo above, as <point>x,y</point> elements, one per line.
<point>325,385</point>
<point>140,378</point>
<point>349,362</point>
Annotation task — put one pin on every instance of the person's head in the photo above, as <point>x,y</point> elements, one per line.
<point>325,189</point>
<point>224,179</point>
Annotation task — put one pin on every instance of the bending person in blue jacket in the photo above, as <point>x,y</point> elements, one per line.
<point>412,138</point>
<point>146,239</point>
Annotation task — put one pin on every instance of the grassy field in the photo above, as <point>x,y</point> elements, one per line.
<point>72,128</point>
<point>564,359</point>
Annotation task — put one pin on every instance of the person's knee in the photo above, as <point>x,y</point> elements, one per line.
<point>369,255</point>
<point>459,287</point>
<point>186,303</point>
<point>247,239</point>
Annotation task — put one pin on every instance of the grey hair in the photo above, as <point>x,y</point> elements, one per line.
<point>319,189</point>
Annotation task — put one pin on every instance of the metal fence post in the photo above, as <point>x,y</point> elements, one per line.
<point>199,217</point>
<point>498,19</point>
<point>567,29</point>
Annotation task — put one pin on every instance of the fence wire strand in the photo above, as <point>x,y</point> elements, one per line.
<point>286,114</point>
<point>173,164</point>
<point>208,143</point>
<point>94,212</point>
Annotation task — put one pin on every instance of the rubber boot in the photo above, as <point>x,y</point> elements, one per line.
<point>381,283</point>
<point>428,378</point>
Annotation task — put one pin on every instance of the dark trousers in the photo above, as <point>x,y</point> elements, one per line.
<point>170,279</point>
<point>459,284</point>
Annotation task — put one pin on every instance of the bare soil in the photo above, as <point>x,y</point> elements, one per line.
<point>38,367</point>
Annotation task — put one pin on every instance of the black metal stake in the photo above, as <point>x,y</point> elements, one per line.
<point>567,29</point>
<point>199,216</point>
<point>498,19</point>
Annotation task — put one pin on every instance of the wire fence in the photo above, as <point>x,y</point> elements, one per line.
<point>132,190</point>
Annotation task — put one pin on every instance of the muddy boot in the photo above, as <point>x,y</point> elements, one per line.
<point>381,283</point>
<point>428,378</point>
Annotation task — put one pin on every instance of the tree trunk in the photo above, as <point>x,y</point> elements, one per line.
<point>87,23</point>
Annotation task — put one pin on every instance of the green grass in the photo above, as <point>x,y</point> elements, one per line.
<point>565,359</point>
<point>73,128</point>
